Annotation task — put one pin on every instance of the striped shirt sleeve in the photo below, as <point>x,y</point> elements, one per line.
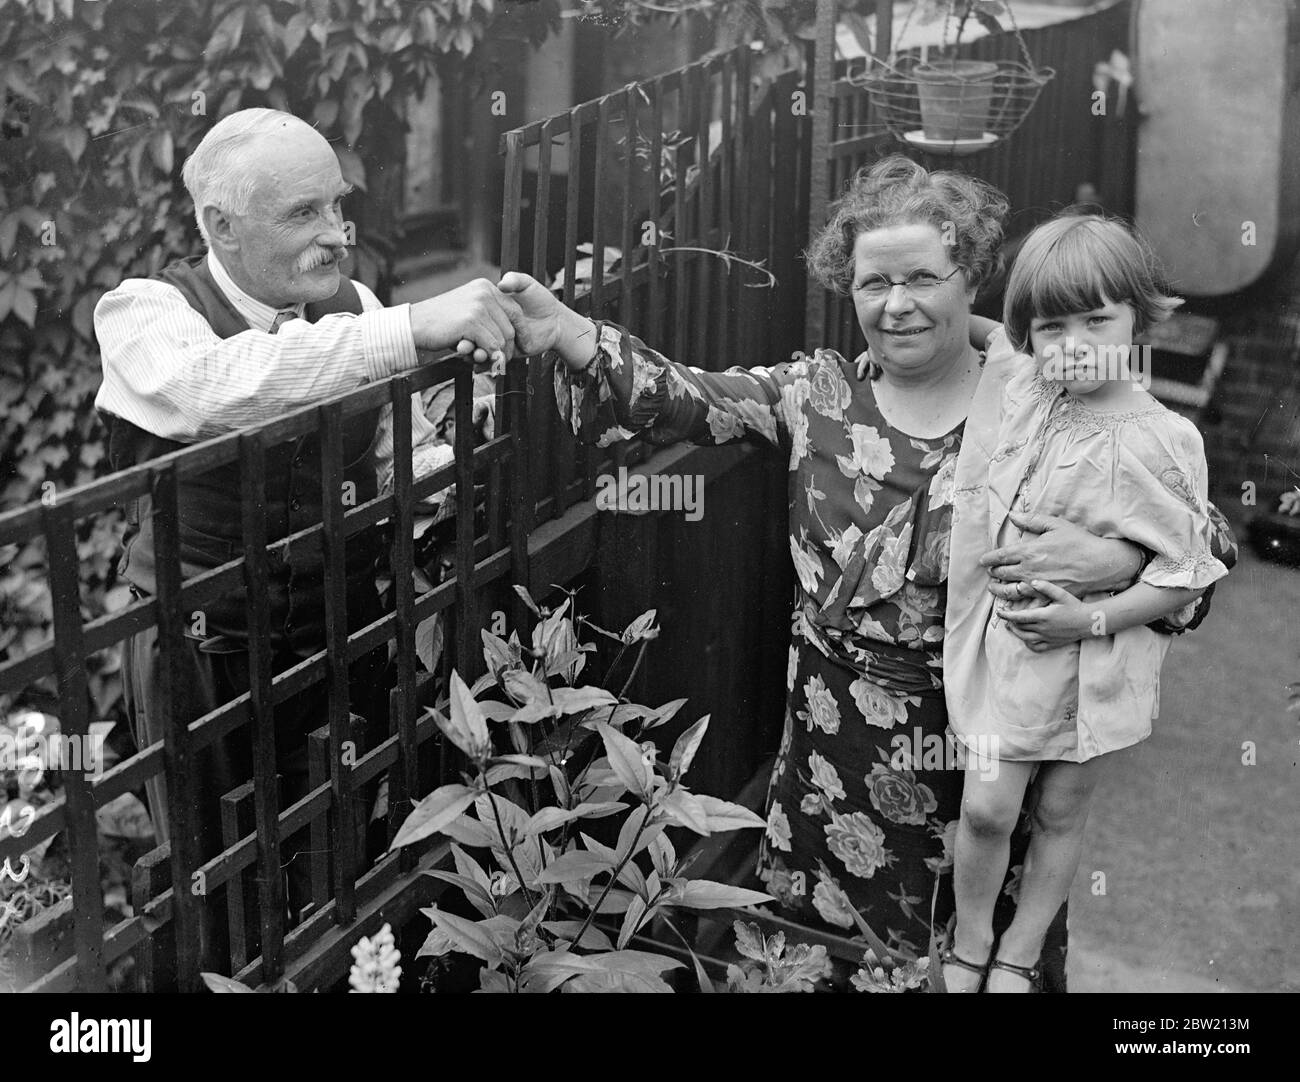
<point>424,435</point>
<point>167,371</point>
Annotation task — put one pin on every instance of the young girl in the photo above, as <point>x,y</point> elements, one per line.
<point>1078,437</point>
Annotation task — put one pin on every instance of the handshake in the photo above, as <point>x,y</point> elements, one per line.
<point>516,317</point>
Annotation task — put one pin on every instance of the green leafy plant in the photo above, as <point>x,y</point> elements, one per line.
<point>557,908</point>
<point>217,983</point>
<point>984,12</point>
<point>774,22</point>
<point>912,975</point>
<point>768,967</point>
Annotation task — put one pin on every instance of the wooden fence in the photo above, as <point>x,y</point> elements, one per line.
<point>356,895</point>
<point>678,174</point>
<point>737,166</point>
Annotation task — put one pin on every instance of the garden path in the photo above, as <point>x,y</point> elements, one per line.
<point>1200,852</point>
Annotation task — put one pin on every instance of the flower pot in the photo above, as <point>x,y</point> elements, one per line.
<point>956,96</point>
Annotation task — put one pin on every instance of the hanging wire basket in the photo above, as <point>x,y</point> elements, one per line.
<point>952,107</point>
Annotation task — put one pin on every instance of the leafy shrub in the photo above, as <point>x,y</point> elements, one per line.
<point>541,882</point>
<point>576,755</point>
<point>768,968</point>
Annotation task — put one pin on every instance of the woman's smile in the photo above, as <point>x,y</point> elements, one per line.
<point>919,328</point>
<point>904,333</point>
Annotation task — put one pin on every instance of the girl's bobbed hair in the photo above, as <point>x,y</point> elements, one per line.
<point>1078,262</point>
<point>968,213</point>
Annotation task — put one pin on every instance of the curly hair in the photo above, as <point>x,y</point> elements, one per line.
<point>897,191</point>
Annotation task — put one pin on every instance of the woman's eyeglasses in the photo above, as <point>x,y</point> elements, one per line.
<point>918,284</point>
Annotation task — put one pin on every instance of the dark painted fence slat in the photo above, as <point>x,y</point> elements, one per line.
<point>785,162</point>
<point>155,958</point>
<point>542,206</point>
<point>681,260</point>
<point>468,649</point>
<point>563,451</point>
<point>600,202</point>
<point>70,665</point>
<point>627,240</point>
<point>734,235</point>
<point>514,196</point>
<point>266,799</point>
<point>705,265</point>
<point>521,494</point>
<point>174,703</point>
<point>237,821</point>
<point>336,636</point>
<point>402,785</point>
<point>656,315</point>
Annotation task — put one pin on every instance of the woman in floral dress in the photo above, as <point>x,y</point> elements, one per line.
<point>864,797</point>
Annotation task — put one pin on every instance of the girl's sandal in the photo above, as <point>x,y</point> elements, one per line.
<point>949,958</point>
<point>1032,974</point>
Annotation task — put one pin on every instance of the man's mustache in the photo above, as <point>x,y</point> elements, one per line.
<point>318,257</point>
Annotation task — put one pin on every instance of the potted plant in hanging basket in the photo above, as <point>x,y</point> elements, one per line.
<point>956,95</point>
<point>952,105</point>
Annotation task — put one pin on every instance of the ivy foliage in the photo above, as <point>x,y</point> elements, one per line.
<point>773,22</point>
<point>102,101</point>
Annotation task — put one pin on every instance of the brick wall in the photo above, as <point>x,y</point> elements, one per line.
<point>1252,426</point>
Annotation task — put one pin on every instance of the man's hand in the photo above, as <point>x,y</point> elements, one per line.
<point>475,318</point>
<point>1063,620</point>
<point>1066,554</point>
<point>542,322</point>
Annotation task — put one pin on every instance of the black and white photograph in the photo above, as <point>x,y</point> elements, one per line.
<point>650,496</point>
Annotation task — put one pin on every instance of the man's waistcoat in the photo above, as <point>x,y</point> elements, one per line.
<point>211,523</point>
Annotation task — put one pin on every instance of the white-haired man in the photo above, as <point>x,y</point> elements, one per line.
<point>263,323</point>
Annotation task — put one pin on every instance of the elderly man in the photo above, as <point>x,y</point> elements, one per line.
<point>263,323</point>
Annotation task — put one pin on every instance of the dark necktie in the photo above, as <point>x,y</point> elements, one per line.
<point>281,318</point>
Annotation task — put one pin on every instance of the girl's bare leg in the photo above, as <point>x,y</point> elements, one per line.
<point>992,794</point>
<point>1064,795</point>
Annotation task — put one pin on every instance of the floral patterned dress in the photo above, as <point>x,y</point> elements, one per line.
<point>865,793</point>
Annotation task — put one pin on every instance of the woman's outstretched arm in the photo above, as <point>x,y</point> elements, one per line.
<point>610,385</point>
<point>543,323</point>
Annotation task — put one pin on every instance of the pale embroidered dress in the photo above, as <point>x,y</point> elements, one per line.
<point>1139,475</point>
